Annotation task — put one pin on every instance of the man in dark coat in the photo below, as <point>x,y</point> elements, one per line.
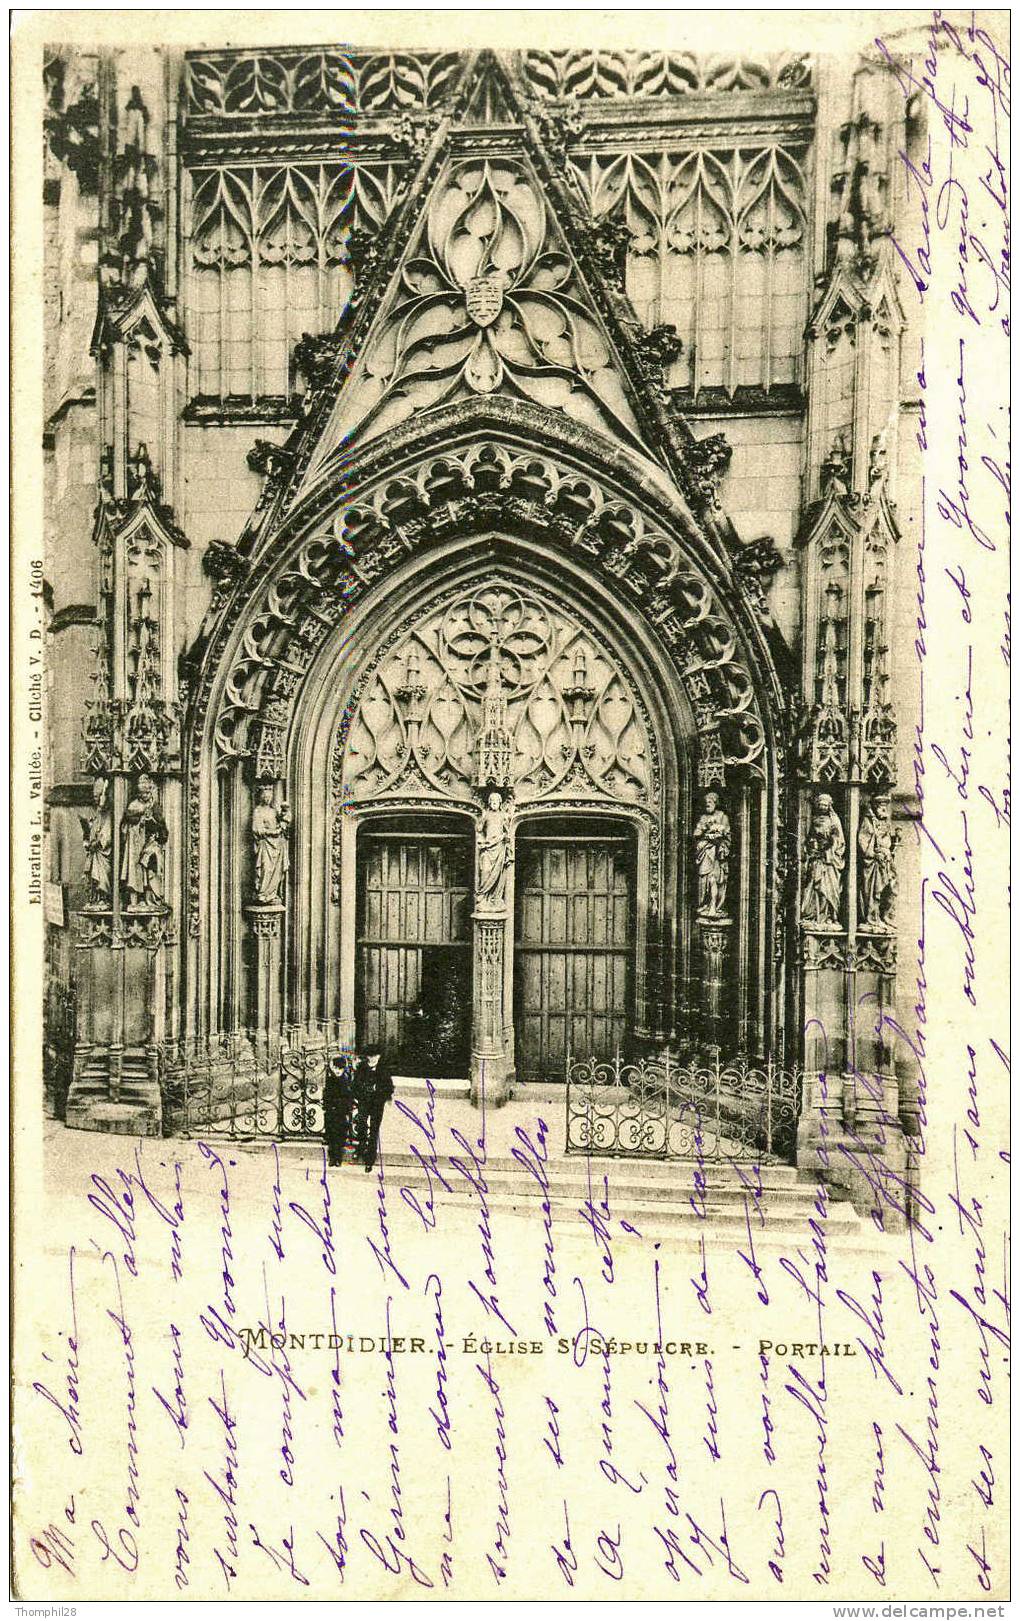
<point>376,1086</point>
<point>338,1105</point>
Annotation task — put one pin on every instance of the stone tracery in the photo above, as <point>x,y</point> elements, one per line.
<point>539,360</point>
<point>573,723</point>
<point>487,299</point>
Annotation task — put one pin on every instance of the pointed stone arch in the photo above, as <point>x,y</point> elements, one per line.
<point>514,484</point>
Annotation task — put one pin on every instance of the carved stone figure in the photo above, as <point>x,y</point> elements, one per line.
<point>97,835</point>
<point>876,843</point>
<point>494,853</point>
<point>269,830</point>
<point>143,834</point>
<point>837,468</point>
<point>824,861</point>
<point>712,844</point>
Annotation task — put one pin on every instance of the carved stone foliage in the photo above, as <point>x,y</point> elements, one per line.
<point>592,75</point>
<point>327,81</point>
<point>873,953</point>
<point>488,486</point>
<point>707,461</point>
<point>824,951</point>
<point>575,726</point>
<point>145,929</point>
<point>706,231</point>
<point>488,300</point>
<point>754,566</point>
<point>316,355</point>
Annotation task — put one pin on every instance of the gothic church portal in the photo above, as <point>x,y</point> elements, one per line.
<point>475,484</point>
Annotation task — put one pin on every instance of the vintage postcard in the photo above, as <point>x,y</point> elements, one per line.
<point>512,806</point>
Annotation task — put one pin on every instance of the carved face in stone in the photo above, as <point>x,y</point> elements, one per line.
<point>146,789</point>
<point>711,802</point>
<point>823,805</point>
<point>265,794</point>
<point>494,801</point>
<point>881,808</point>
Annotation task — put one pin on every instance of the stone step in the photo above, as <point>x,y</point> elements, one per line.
<point>657,1170</point>
<point>626,1192</point>
<point>417,1086</point>
<point>628,1195</point>
<point>664,1210</point>
<point>124,1118</point>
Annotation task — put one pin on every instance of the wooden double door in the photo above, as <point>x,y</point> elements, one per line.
<point>571,944</point>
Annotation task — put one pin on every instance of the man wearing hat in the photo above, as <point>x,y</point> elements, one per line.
<point>338,1105</point>
<point>374,1086</point>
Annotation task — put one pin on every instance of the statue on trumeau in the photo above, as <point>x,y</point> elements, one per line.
<point>494,853</point>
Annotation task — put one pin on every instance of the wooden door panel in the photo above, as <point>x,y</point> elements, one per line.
<point>414,943</point>
<point>573,950</point>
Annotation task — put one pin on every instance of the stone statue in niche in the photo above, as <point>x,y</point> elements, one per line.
<point>712,845</point>
<point>837,468</point>
<point>494,854</point>
<point>97,836</point>
<point>876,844</point>
<point>143,835</point>
<point>269,830</point>
<point>824,862</point>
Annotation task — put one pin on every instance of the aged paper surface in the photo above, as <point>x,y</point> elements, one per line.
<point>670,768</point>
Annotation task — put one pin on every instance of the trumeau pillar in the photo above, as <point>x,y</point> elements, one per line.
<point>126,929</point>
<point>847,747</point>
<point>491,1034</point>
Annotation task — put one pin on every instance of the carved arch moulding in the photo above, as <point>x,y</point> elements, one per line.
<point>273,611</point>
<point>353,580</point>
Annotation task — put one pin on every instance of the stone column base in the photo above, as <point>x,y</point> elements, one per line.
<point>868,1163</point>
<point>138,1109</point>
<point>491,1075</point>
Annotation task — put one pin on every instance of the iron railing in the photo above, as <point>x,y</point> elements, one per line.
<point>659,1108</point>
<point>237,1087</point>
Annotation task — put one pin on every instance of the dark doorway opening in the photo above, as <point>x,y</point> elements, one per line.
<point>413,982</point>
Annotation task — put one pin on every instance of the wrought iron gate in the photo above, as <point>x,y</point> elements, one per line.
<point>658,1108</point>
<point>232,1087</point>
